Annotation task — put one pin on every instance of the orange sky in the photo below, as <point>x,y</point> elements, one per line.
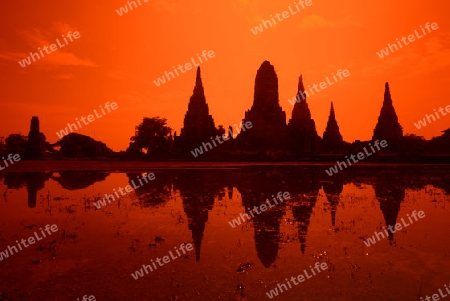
<point>118,57</point>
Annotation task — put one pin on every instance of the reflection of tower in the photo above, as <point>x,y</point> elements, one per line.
<point>197,212</point>
<point>267,235</point>
<point>302,214</point>
<point>198,200</point>
<point>390,194</point>
<point>230,192</point>
<point>33,185</point>
<point>255,189</point>
<point>304,189</point>
<point>333,191</point>
<point>34,181</point>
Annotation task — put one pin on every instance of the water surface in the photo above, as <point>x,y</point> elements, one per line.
<point>325,220</point>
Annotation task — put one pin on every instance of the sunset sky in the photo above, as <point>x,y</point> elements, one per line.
<point>117,58</point>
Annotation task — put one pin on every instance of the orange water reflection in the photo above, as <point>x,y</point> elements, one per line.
<point>95,251</point>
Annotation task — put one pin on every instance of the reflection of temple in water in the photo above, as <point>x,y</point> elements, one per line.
<point>255,189</point>
<point>199,188</point>
<point>154,193</point>
<point>304,188</point>
<point>333,190</point>
<point>390,194</point>
<point>34,181</point>
<point>198,191</point>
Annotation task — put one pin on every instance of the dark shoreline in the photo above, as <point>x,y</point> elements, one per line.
<point>118,166</point>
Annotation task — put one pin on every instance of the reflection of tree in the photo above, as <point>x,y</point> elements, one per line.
<point>198,190</point>
<point>442,183</point>
<point>73,180</point>
<point>153,193</point>
<point>15,180</point>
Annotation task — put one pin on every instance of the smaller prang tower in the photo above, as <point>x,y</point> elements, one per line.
<point>35,141</point>
<point>388,128</point>
<point>332,139</point>
<point>198,124</point>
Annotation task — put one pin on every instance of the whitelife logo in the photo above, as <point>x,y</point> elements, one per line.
<point>423,123</point>
<point>436,296</point>
<point>411,38</point>
<point>300,278</point>
<point>140,273</point>
<point>360,156</point>
<point>90,118</point>
<point>162,80</point>
<point>323,85</point>
<point>124,9</point>
<point>85,298</point>
<point>10,157</point>
<point>371,241</point>
<point>263,207</point>
<point>284,15</point>
<point>199,150</point>
<point>128,189</point>
<point>27,61</point>
<point>30,240</point>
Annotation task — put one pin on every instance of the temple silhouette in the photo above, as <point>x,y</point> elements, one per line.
<point>388,128</point>
<point>270,138</point>
<point>270,132</point>
<point>198,123</point>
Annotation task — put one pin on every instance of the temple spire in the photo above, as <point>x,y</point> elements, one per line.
<point>198,79</point>
<point>388,128</point>
<point>198,123</point>
<point>198,93</point>
<point>332,138</point>
<point>302,127</point>
<point>387,95</point>
<point>301,88</point>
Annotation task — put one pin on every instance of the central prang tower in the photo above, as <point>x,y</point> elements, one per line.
<point>269,131</point>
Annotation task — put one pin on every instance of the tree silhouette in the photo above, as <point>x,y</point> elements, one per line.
<point>413,144</point>
<point>76,145</point>
<point>153,136</point>
<point>16,144</point>
<point>2,146</point>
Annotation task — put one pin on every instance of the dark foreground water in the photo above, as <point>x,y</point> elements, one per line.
<point>95,252</point>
